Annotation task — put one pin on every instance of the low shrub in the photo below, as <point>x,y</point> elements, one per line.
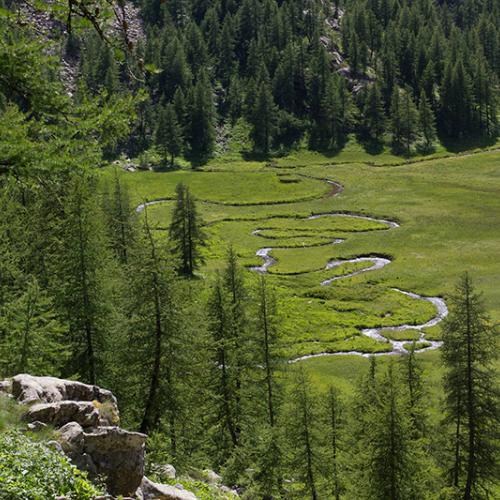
<point>32,471</point>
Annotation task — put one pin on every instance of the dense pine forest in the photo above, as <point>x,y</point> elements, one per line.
<point>94,287</point>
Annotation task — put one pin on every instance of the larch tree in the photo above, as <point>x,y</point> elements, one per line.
<point>303,426</point>
<point>226,426</point>
<point>186,234</point>
<point>333,424</point>
<point>426,121</point>
<point>472,398</point>
<point>169,137</point>
<point>263,118</point>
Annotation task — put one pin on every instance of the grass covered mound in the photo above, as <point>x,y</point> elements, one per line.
<point>30,469</point>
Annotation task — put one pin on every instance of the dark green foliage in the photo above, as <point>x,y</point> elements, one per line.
<point>32,470</point>
<point>185,232</point>
<point>303,435</point>
<point>472,411</point>
<point>169,133</point>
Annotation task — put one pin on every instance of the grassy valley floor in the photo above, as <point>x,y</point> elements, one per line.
<point>417,225</point>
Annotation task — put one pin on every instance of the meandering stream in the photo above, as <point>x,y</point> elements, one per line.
<point>376,264</point>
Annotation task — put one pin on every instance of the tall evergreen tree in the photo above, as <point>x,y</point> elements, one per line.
<point>263,118</point>
<point>201,130</point>
<point>472,411</point>
<point>427,121</point>
<point>168,133</point>
<point>373,111</point>
<point>303,435</point>
<point>185,231</point>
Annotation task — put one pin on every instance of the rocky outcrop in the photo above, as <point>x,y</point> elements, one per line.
<point>85,417</point>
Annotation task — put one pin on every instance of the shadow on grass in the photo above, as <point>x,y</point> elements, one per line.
<point>455,145</point>
<point>370,145</point>
<point>255,156</point>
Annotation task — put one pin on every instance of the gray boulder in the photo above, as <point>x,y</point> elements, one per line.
<point>117,455</point>
<point>6,387</point>
<point>63,412</point>
<point>71,438</point>
<point>155,491</point>
<point>212,477</point>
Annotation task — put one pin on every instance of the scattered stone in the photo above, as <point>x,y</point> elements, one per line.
<point>151,490</point>
<point>6,387</point>
<point>166,471</point>
<point>226,489</point>
<point>36,426</point>
<point>55,446</point>
<point>212,477</point>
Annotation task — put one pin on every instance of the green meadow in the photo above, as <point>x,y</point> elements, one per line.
<point>447,210</point>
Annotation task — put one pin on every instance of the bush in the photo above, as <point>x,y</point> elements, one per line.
<point>32,471</point>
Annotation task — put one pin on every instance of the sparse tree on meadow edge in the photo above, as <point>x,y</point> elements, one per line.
<point>268,341</point>
<point>427,121</point>
<point>185,232</point>
<point>153,324</point>
<point>472,398</point>
<point>169,133</point>
<point>266,363</point>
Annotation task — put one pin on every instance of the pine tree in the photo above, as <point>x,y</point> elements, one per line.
<point>263,118</point>
<point>201,130</point>
<point>392,459</point>
<point>152,328</point>
<point>120,218</point>
<point>374,116</point>
<point>168,133</point>
<point>427,122</point>
<point>185,232</point>
<point>268,340</point>
<point>409,120</point>
<point>396,118</point>
<point>234,286</point>
<point>472,411</point>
